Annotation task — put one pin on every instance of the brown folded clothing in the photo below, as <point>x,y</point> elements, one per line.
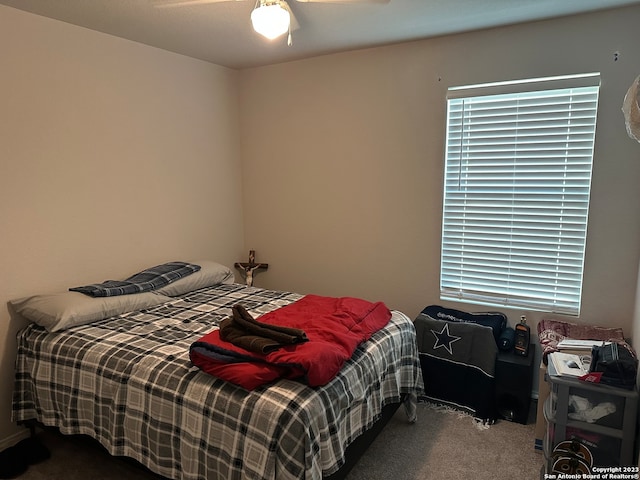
<point>244,331</point>
<point>229,332</point>
<point>282,334</point>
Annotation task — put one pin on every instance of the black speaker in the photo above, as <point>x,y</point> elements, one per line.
<point>514,378</point>
<point>505,342</point>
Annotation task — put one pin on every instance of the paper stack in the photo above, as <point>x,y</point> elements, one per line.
<point>573,344</point>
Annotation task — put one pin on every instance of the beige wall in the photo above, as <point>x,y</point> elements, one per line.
<point>343,161</point>
<point>114,156</point>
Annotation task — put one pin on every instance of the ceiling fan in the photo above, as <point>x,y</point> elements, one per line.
<point>270,18</point>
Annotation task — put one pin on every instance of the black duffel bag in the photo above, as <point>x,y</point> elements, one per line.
<point>615,365</point>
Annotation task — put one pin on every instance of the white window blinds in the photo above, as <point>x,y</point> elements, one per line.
<point>516,197</point>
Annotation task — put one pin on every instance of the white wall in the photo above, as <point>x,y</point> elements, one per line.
<point>114,156</point>
<point>343,165</point>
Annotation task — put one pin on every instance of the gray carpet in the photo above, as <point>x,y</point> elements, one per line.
<point>440,446</point>
<point>448,446</point>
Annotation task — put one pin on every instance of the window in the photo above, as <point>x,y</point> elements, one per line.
<point>518,166</point>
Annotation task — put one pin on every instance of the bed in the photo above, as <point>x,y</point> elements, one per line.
<point>127,381</point>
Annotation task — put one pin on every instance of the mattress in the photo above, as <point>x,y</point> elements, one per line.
<point>127,382</point>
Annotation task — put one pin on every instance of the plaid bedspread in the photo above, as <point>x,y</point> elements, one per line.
<point>128,382</point>
<point>144,281</point>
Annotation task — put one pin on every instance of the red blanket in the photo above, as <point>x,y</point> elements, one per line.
<point>335,327</point>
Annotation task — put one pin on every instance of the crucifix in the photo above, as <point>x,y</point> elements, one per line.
<point>250,267</point>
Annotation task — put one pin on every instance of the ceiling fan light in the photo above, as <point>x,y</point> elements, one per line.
<point>270,20</point>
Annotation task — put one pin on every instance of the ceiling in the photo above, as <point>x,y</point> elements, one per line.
<point>221,33</point>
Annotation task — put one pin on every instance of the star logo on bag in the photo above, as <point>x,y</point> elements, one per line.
<point>444,339</point>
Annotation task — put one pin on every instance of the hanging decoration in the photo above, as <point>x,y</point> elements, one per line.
<point>631,110</point>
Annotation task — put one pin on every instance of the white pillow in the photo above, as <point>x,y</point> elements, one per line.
<point>210,273</point>
<point>60,311</point>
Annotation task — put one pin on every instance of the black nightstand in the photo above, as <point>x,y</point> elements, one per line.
<point>514,378</point>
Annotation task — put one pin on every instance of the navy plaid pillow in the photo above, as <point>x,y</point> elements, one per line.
<point>145,281</point>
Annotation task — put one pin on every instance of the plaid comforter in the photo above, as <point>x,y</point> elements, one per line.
<point>127,381</point>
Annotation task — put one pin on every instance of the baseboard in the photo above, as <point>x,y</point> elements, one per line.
<point>11,440</point>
